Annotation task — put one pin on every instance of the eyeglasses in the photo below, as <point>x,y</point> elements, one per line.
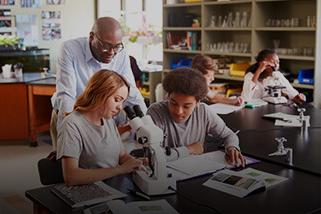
<point>106,47</point>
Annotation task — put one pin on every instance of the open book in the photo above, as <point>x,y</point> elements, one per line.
<point>242,183</point>
<point>197,165</point>
<point>84,195</point>
<point>141,207</point>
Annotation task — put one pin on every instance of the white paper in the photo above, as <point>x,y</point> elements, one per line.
<point>293,121</point>
<point>196,165</point>
<point>277,115</point>
<point>288,120</point>
<point>221,108</point>
<point>141,207</point>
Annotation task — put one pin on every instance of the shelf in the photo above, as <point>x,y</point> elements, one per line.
<point>146,96</point>
<point>303,58</point>
<point>6,18</point>
<point>285,29</point>
<point>262,1</point>
<point>146,83</point>
<point>227,2</point>
<point>228,54</point>
<point>228,77</point>
<point>182,29</point>
<point>303,86</point>
<point>6,6</point>
<point>38,52</point>
<point>227,29</point>
<point>182,5</point>
<point>166,50</point>
<point>7,29</point>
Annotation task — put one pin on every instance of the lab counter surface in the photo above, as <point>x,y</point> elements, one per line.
<point>257,136</point>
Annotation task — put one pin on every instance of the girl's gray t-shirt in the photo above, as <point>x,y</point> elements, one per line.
<point>94,146</point>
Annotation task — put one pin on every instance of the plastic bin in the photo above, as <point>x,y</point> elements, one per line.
<point>306,76</point>
<point>180,63</point>
<point>238,69</point>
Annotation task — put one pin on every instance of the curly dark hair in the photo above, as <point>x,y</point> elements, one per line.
<point>263,54</point>
<point>259,58</point>
<point>203,63</point>
<point>186,81</point>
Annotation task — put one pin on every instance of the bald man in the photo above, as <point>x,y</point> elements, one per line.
<point>80,58</point>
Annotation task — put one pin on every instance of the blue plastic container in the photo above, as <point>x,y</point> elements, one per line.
<point>181,62</point>
<point>306,76</point>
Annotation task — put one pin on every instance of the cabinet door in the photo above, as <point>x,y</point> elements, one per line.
<point>14,112</point>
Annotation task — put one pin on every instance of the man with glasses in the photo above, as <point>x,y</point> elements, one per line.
<point>80,58</point>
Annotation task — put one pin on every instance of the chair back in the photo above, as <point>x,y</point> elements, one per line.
<point>50,170</point>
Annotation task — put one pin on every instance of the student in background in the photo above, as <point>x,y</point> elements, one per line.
<point>136,71</point>
<point>265,72</point>
<point>186,121</point>
<point>206,66</point>
<point>89,143</point>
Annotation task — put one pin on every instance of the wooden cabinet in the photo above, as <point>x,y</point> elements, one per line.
<point>39,109</point>
<point>14,122</point>
<point>289,26</point>
<point>25,110</point>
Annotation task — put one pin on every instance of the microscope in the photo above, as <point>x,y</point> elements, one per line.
<point>281,150</point>
<point>155,180</point>
<point>275,95</point>
<point>274,90</point>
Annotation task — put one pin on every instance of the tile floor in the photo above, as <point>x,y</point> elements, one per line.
<point>18,167</point>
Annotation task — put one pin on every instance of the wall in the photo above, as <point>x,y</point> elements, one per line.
<point>77,19</point>
<point>317,73</point>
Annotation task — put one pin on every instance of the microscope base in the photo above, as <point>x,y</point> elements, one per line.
<point>275,100</point>
<point>152,186</point>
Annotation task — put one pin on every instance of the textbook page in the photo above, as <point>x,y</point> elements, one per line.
<point>269,179</point>
<point>141,207</point>
<point>234,183</point>
<point>221,108</point>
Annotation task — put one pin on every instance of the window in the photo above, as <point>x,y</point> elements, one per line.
<point>142,24</point>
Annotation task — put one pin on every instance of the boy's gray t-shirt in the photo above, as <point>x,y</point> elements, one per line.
<point>94,146</point>
<point>201,123</point>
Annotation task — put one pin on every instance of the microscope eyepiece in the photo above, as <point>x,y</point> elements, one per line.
<point>138,111</point>
<point>130,113</point>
